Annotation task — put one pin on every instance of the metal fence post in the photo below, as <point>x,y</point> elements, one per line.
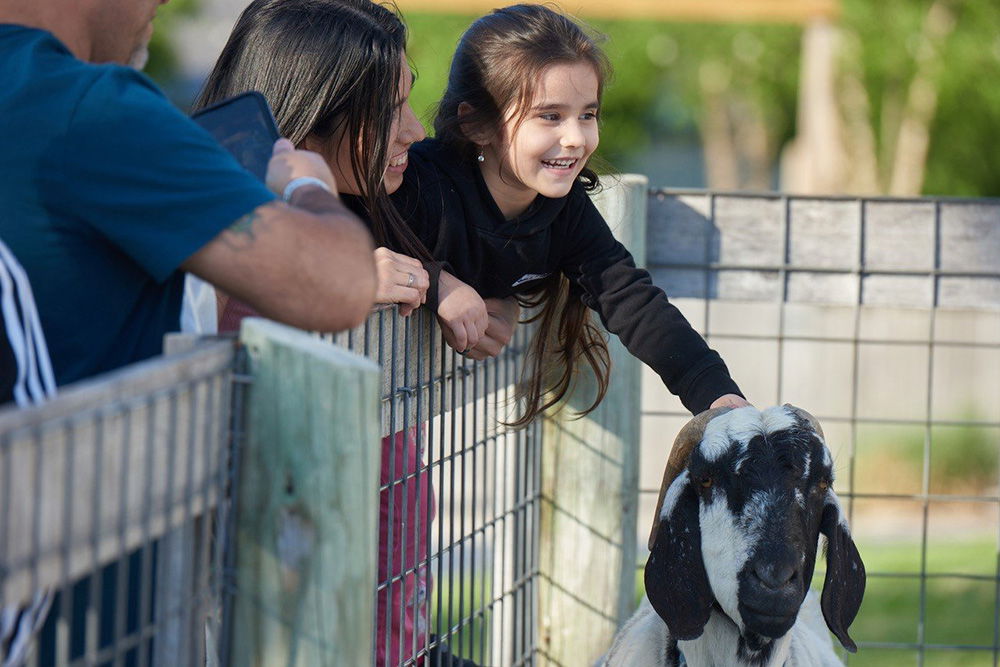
<point>307,503</point>
<point>590,486</point>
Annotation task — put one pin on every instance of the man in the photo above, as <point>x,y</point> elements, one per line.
<point>108,193</point>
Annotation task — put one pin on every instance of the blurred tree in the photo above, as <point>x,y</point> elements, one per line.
<point>912,93</point>
<point>913,112</point>
<point>734,84</point>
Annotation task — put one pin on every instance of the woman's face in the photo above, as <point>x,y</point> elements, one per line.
<point>405,131</point>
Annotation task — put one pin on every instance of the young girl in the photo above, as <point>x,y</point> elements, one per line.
<point>501,195</point>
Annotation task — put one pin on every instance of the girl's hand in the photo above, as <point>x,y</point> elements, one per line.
<point>401,280</point>
<point>503,314</point>
<point>461,312</point>
<point>730,401</point>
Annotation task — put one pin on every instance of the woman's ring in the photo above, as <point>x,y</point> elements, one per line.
<point>410,279</point>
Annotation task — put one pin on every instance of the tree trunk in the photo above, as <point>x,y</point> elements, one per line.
<point>909,164</point>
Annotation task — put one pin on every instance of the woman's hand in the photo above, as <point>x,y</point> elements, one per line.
<point>503,314</point>
<point>729,401</point>
<point>461,312</point>
<point>401,280</point>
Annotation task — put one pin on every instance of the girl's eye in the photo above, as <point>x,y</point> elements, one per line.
<point>549,116</point>
<point>590,115</point>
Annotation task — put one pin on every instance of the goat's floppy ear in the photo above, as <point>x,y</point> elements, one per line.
<point>676,581</point>
<point>844,585</point>
<point>685,442</point>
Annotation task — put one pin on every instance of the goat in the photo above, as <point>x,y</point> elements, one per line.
<point>745,497</point>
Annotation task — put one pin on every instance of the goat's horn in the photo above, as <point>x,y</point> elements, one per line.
<point>685,442</point>
<point>812,421</point>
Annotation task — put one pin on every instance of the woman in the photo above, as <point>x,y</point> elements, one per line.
<point>326,68</point>
<point>336,77</point>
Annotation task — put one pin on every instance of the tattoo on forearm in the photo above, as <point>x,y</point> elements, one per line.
<point>245,224</point>
<point>242,233</point>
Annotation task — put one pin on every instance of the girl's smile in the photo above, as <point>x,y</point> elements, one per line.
<point>543,149</point>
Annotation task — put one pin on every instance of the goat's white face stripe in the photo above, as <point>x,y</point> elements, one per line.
<point>727,542</point>
<point>724,550</point>
<point>741,426</point>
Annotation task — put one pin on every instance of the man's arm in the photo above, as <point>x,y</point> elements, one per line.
<point>307,263</point>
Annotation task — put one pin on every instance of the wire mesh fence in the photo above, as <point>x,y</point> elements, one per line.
<point>111,507</point>
<point>109,500</point>
<point>882,318</point>
<point>459,500</point>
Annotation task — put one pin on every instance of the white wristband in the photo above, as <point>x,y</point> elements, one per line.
<point>299,182</point>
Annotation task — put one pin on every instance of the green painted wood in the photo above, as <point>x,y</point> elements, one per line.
<point>308,503</point>
<point>590,486</point>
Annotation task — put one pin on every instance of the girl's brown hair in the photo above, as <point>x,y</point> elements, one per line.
<point>325,66</point>
<point>494,71</point>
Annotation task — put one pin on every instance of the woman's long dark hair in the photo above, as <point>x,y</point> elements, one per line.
<point>325,66</point>
<point>496,66</point>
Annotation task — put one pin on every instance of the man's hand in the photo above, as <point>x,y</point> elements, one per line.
<point>503,314</point>
<point>730,401</point>
<point>401,280</point>
<point>287,164</point>
<point>461,313</point>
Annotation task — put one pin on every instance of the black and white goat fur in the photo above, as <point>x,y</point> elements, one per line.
<point>733,548</point>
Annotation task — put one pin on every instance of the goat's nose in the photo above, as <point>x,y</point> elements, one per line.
<point>775,575</point>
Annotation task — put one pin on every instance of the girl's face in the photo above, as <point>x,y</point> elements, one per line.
<point>543,150</point>
<point>405,131</point>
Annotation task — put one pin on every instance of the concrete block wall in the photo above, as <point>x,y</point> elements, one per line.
<point>871,313</point>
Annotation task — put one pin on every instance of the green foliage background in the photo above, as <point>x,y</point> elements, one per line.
<point>655,92</point>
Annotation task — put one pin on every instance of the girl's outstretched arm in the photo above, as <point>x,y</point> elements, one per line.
<point>639,313</point>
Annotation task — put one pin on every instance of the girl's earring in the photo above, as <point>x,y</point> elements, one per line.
<point>480,158</point>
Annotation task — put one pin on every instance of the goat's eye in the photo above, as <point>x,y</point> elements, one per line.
<point>706,482</point>
<point>823,485</point>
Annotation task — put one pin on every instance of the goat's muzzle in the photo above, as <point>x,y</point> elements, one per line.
<point>771,590</point>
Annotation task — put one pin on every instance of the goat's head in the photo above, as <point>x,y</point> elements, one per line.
<point>745,497</point>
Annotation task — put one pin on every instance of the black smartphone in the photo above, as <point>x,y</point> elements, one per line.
<point>243,125</point>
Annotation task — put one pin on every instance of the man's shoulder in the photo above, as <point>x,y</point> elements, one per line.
<point>37,69</point>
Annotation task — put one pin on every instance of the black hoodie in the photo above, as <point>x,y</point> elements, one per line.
<point>447,203</point>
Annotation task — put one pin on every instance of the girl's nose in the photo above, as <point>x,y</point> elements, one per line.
<point>573,135</point>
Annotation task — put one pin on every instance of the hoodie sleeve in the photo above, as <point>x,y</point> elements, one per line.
<point>638,312</point>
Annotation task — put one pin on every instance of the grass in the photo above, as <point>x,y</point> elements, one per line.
<point>460,599</point>
<point>958,610</point>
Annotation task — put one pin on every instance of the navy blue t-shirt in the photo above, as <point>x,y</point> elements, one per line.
<point>106,189</point>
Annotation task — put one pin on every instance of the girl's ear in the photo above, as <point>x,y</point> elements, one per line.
<point>473,132</point>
